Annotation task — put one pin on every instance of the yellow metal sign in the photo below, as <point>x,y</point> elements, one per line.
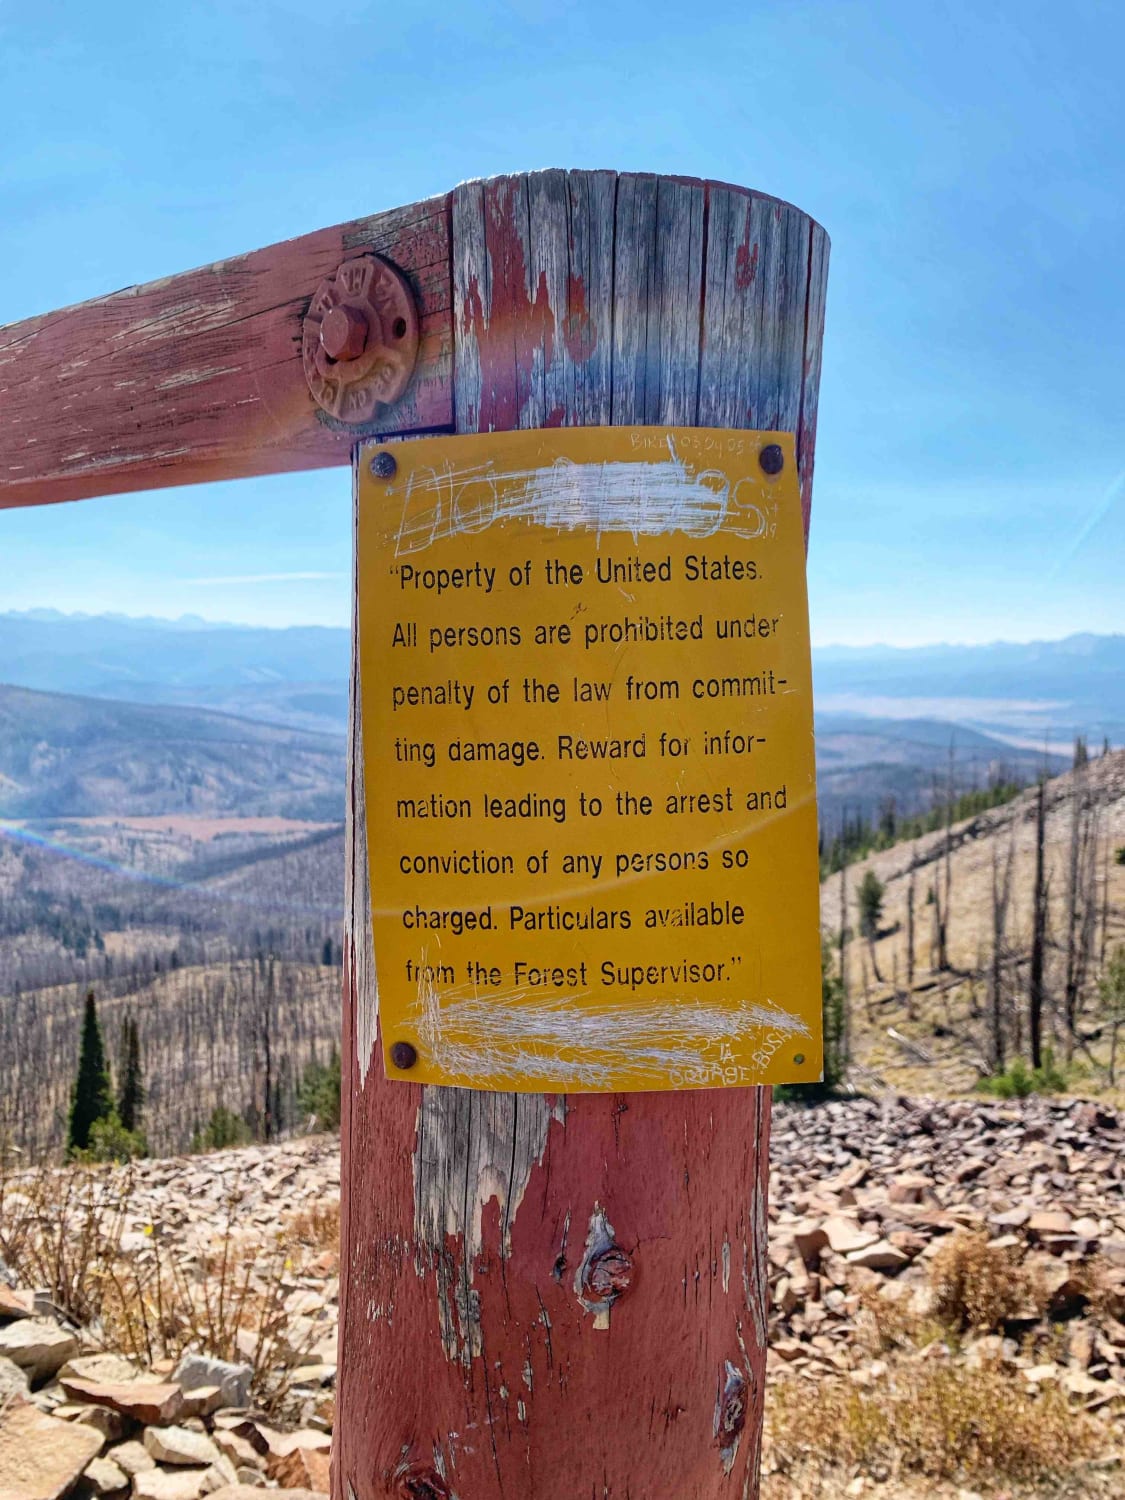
<point>588,760</point>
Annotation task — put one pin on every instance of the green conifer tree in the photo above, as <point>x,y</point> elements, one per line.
<point>91,1099</point>
<point>131,1094</point>
<point>871,893</point>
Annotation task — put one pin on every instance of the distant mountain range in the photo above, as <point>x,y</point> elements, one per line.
<point>1042,690</point>
<point>297,677</point>
<point>884,715</point>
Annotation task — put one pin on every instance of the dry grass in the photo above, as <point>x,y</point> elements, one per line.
<point>316,1227</point>
<point>937,1419</point>
<point>981,1286</point>
<point>62,1229</point>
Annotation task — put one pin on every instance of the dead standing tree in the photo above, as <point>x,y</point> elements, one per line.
<point>1001,896</point>
<point>1038,934</point>
<point>488,1238</point>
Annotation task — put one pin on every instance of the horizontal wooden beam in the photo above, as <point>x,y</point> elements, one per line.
<point>199,376</point>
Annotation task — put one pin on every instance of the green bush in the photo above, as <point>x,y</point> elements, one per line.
<point>319,1092</point>
<point>223,1129</point>
<point>1017,1080</point>
<point>110,1141</point>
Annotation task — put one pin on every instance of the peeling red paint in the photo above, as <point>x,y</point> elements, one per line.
<point>579,333</point>
<point>472,319</point>
<point>745,263</point>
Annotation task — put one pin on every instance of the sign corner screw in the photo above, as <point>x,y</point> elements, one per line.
<point>403,1055</point>
<point>772,458</point>
<point>384,465</point>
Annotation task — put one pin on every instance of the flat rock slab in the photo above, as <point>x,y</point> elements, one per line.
<point>881,1256</point>
<point>15,1304</point>
<point>13,1380</point>
<point>252,1492</point>
<point>147,1402</point>
<point>180,1445</point>
<point>845,1236</point>
<point>196,1370</point>
<point>304,1468</point>
<point>282,1443</point>
<point>104,1477</point>
<point>40,1457</point>
<point>38,1346</point>
<point>171,1484</point>
<point>133,1457</point>
<point>112,1367</point>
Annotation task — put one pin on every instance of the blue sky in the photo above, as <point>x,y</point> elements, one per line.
<point>967,159</point>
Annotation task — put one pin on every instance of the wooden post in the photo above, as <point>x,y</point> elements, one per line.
<point>547,1298</point>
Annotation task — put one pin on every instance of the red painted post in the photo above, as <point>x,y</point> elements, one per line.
<point>547,1298</point>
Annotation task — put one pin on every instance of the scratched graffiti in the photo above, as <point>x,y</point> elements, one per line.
<point>639,497</point>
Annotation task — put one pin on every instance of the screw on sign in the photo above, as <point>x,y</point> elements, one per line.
<point>360,339</point>
<point>384,465</point>
<point>772,458</point>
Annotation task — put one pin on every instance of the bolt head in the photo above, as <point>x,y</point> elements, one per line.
<point>343,333</point>
<point>384,465</point>
<point>403,1055</point>
<point>772,458</point>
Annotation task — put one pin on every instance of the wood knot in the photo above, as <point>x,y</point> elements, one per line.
<point>730,1413</point>
<point>608,1274</point>
<point>423,1484</point>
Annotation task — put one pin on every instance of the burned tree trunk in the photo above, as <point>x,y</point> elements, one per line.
<point>1038,936</point>
<point>551,1297</point>
<point>911,889</point>
<point>1001,895</point>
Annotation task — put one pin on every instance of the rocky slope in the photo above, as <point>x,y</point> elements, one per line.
<point>910,1239</point>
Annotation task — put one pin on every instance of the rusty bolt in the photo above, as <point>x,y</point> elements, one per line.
<point>609,1274</point>
<point>343,333</point>
<point>384,465</point>
<point>772,459</point>
<point>403,1055</point>
<point>359,339</point>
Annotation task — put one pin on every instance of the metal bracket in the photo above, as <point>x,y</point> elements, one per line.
<point>360,339</point>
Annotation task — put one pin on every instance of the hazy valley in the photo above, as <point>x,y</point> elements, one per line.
<point>186,864</point>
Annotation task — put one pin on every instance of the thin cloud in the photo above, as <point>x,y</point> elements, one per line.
<point>1105,504</point>
<point>265,578</point>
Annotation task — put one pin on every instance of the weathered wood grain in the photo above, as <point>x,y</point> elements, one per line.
<point>199,376</point>
<point>810,381</point>
<point>476,1360</point>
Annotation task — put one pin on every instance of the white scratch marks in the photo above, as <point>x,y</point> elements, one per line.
<point>508,1037</point>
<point>642,497</point>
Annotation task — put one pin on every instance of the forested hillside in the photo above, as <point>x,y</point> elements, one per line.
<point>67,757</point>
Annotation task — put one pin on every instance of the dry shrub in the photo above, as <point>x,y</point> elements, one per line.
<point>978,1285</point>
<point>943,1420</point>
<point>61,1229</point>
<point>316,1226</point>
<point>58,1230</point>
<point>884,1324</point>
